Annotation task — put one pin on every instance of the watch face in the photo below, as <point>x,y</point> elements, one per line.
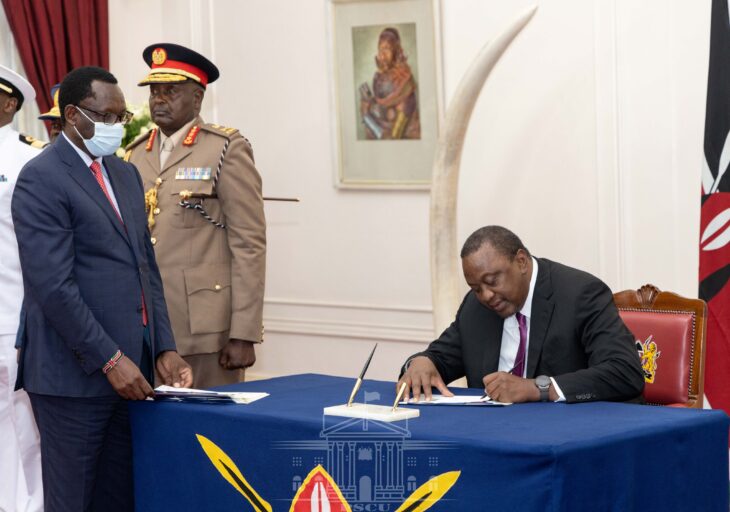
<point>542,381</point>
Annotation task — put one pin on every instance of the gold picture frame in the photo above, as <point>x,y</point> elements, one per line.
<point>387,92</point>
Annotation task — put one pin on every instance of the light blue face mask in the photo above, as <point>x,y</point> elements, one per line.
<point>106,140</point>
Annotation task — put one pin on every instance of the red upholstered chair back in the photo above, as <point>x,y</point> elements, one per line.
<point>670,338</point>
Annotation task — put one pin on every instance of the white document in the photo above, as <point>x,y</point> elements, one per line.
<point>455,400</point>
<point>205,395</point>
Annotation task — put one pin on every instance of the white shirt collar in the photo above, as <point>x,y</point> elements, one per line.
<point>527,308</point>
<point>86,158</point>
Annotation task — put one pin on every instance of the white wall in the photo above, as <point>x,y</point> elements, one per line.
<point>586,140</point>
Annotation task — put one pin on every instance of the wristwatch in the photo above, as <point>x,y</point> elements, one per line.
<point>543,384</point>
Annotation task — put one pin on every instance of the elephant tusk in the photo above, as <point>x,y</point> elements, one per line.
<point>445,274</point>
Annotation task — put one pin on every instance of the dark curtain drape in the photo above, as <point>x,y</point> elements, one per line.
<point>55,36</point>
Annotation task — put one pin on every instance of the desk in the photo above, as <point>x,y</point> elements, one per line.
<point>537,456</point>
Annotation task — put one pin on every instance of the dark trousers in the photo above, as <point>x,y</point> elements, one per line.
<point>86,453</point>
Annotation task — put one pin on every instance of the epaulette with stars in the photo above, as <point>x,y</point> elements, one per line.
<point>224,131</point>
<point>32,141</point>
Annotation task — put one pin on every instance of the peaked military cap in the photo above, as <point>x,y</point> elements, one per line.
<point>16,86</point>
<point>172,63</point>
<point>55,112</point>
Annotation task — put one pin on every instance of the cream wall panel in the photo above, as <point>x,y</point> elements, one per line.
<point>662,53</point>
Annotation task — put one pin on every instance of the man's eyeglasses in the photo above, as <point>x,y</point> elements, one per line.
<point>110,118</point>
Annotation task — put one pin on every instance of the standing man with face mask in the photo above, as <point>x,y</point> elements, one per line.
<point>96,323</point>
<point>206,217</point>
<point>20,464</point>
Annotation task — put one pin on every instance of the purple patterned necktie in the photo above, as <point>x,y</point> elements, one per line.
<point>519,368</point>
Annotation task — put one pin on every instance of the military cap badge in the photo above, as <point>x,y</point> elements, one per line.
<point>159,56</point>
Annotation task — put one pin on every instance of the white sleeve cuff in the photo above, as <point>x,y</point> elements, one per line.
<point>561,396</point>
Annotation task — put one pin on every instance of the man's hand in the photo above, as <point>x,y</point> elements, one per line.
<point>128,381</point>
<point>173,370</point>
<point>420,376</point>
<point>505,387</point>
<point>237,354</point>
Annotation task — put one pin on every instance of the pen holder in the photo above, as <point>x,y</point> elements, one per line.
<point>371,412</point>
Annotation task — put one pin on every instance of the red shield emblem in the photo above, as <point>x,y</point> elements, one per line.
<point>319,493</point>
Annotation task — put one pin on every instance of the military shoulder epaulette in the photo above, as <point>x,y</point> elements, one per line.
<point>220,130</point>
<point>32,141</point>
<point>142,137</point>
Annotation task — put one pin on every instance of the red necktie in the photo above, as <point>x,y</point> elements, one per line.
<point>96,170</point>
<point>519,368</point>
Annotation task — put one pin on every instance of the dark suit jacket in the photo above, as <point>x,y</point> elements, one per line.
<point>84,273</point>
<point>576,336</point>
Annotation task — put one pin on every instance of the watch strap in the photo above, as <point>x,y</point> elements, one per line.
<point>545,388</point>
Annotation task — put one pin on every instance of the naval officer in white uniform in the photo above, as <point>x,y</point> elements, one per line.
<point>21,486</point>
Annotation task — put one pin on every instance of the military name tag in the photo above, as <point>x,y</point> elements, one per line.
<point>192,173</point>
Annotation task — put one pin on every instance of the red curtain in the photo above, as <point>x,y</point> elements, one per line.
<point>55,36</point>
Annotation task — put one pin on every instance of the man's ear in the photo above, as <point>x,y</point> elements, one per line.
<point>523,259</point>
<point>10,105</point>
<point>198,95</point>
<point>70,114</point>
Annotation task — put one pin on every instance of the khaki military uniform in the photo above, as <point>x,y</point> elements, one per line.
<point>213,276</point>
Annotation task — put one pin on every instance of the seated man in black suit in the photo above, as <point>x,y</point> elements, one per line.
<point>530,329</point>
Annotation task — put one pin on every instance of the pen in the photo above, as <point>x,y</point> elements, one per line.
<point>359,379</point>
<point>399,395</point>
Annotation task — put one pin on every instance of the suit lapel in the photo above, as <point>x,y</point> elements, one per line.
<point>153,155</point>
<point>120,191</point>
<point>85,179</point>
<point>542,312</point>
<point>492,341</point>
<point>180,151</point>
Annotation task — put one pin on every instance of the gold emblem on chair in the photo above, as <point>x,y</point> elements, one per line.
<point>649,353</point>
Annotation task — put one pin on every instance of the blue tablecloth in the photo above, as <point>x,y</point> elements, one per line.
<point>538,456</point>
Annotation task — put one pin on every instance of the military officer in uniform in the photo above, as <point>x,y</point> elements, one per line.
<point>21,487</point>
<point>206,217</point>
<point>53,115</point>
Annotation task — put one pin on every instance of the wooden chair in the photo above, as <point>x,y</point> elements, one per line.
<point>670,338</point>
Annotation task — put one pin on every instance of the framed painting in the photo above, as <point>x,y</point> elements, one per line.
<point>386,71</point>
